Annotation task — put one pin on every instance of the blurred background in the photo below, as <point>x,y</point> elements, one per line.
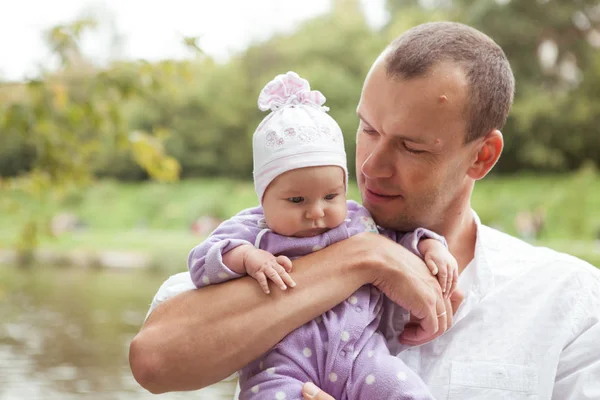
<point>125,138</point>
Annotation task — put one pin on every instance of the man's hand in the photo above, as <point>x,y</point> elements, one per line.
<point>262,265</point>
<point>311,392</point>
<point>407,281</point>
<point>410,330</point>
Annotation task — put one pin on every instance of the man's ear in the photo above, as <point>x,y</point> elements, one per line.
<point>488,153</point>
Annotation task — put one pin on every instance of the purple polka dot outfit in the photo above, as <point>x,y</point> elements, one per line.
<point>340,351</point>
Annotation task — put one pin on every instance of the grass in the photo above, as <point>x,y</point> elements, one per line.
<point>156,218</point>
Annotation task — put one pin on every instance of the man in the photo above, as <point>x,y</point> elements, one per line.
<point>431,111</point>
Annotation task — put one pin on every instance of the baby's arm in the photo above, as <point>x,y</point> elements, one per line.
<point>428,245</point>
<point>228,253</point>
<point>261,265</point>
<point>433,249</point>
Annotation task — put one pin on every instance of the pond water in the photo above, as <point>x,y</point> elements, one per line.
<point>65,333</point>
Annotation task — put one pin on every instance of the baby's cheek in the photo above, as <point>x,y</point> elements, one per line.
<point>340,214</point>
<point>281,222</point>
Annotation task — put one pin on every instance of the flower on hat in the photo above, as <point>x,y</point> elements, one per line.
<point>288,90</point>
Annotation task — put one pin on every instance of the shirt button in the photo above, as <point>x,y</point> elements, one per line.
<point>358,309</point>
<point>343,353</point>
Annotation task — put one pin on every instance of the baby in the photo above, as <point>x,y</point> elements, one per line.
<point>301,179</point>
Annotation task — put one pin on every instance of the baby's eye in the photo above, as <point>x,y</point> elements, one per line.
<point>296,200</point>
<point>331,196</point>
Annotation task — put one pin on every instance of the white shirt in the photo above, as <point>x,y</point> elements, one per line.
<point>529,327</point>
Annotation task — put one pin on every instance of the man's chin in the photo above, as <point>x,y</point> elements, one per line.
<point>388,220</point>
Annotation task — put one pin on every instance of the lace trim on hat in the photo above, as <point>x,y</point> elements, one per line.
<point>303,134</point>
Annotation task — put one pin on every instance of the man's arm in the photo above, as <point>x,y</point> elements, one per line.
<point>203,336</point>
<point>578,372</point>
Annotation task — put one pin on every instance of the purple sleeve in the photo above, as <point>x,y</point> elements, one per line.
<point>411,240</point>
<point>205,261</point>
<point>359,219</point>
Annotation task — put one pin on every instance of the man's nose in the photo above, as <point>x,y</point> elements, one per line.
<point>378,164</point>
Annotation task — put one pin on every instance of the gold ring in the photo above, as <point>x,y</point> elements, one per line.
<point>442,314</point>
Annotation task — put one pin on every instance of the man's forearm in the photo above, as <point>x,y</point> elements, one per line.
<point>202,336</point>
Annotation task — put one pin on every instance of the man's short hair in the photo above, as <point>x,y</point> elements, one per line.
<point>490,78</point>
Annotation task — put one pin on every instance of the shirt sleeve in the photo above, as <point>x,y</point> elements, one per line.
<point>176,284</point>
<point>578,373</point>
<point>205,261</point>
<point>411,240</point>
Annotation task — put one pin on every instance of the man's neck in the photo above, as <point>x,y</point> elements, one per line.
<point>461,235</point>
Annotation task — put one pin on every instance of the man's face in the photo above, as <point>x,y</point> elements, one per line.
<point>411,159</point>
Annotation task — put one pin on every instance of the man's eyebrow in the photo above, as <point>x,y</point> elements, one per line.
<point>360,116</point>
<point>397,137</point>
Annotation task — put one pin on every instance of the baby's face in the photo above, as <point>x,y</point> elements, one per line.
<point>306,201</point>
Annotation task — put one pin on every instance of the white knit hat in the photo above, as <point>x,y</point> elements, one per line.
<point>298,132</point>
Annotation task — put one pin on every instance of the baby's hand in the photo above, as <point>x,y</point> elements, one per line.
<point>262,265</point>
<point>440,263</point>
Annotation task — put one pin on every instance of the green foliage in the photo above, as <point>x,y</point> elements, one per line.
<point>195,118</point>
<point>157,217</point>
<point>82,116</point>
<point>63,120</point>
<point>553,50</point>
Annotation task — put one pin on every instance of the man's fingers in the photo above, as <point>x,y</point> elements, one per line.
<point>449,313</point>
<point>413,334</point>
<point>425,328</point>
<point>455,299</point>
<point>311,392</point>
<point>419,332</point>
<point>443,318</point>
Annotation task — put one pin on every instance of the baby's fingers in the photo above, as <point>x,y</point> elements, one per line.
<point>454,279</point>
<point>431,265</point>
<point>273,275</point>
<point>287,278</point>
<point>443,277</point>
<point>262,281</point>
<point>285,263</point>
<point>283,271</point>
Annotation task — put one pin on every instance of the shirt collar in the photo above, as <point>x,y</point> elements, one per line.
<point>477,278</point>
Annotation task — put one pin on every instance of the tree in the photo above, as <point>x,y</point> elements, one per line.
<point>62,120</point>
<point>553,50</point>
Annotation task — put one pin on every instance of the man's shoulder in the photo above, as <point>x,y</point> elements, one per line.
<point>512,255</point>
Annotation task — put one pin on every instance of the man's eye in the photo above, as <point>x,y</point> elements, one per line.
<point>296,200</point>
<point>331,196</point>
<point>412,151</point>
<point>369,131</point>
